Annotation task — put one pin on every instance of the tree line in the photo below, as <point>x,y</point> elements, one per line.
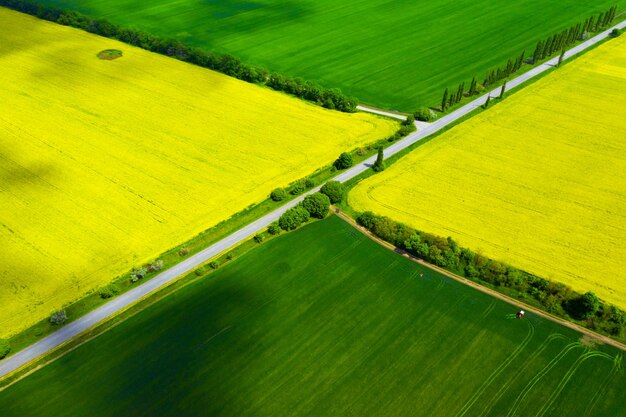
<point>544,49</point>
<point>556,298</point>
<point>330,98</point>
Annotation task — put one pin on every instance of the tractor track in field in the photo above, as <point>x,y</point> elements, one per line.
<point>56,340</point>
<point>517,303</point>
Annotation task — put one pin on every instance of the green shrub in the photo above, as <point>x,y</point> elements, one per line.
<point>298,188</point>
<point>214,265</point>
<point>109,291</point>
<point>317,205</point>
<point>334,190</point>
<point>278,194</point>
<point>199,271</point>
<point>293,218</point>
<point>137,274</point>
<point>183,252</point>
<point>273,229</point>
<point>155,265</point>
<point>309,183</point>
<point>5,348</point>
<point>615,33</point>
<point>409,120</point>
<point>59,317</point>
<point>424,114</point>
<point>344,161</point>
<point>258,238</point>
<point>230,257</point>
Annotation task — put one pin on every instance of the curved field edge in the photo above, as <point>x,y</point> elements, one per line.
<point>295,326</point>
<point>109,163</point>
<point>530,182</point>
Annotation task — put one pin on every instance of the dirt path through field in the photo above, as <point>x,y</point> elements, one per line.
<point>518,304</point>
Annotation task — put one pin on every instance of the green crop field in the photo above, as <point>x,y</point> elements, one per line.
<point>398,54</point>
<point>324,322</point>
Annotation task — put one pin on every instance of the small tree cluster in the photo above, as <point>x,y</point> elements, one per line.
<point>58,317</point>
<point>379,165</point>
<point>314,205</point>
<point>344,161</point>
<point>293,218</point>
<point>334,190</point>
<point>330,98</point>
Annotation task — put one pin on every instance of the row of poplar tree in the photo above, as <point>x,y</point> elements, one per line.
<point>544,49</point>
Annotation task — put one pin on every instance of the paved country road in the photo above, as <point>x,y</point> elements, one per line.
<point>64,334</point>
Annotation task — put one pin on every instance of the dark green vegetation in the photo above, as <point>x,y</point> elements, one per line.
<point>334,190</point>
<point>110,54</point>
<point>5,348</point>
<point>556,298</point>
<point>323,321</point>
<point>398,54</point>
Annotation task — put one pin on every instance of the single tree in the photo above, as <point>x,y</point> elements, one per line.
<point>487,102</point>
<point>379,165</point>
<point>444,100</point>
<point>58,317</point>
<point>558,64</point>
<point>502,90</point>
<point>317,205</point>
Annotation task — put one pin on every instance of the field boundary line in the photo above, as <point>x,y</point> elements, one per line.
<point>481,288</point>
<point>54,340</point>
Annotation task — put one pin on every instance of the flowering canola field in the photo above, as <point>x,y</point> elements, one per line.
<point>106,164</point>
<point>537,181</point>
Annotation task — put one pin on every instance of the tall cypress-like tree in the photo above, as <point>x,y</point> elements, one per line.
<point>502,90</point>
<point>473,89</point>
<point>444,100</point>
<point>459,92</point>
<point>379,165</point>
<point>537,53</point>
<point>558,64</point>
<point>487,102</point>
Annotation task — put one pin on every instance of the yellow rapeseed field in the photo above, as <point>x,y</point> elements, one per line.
<point>537,181</point>
<point>106,164</point>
